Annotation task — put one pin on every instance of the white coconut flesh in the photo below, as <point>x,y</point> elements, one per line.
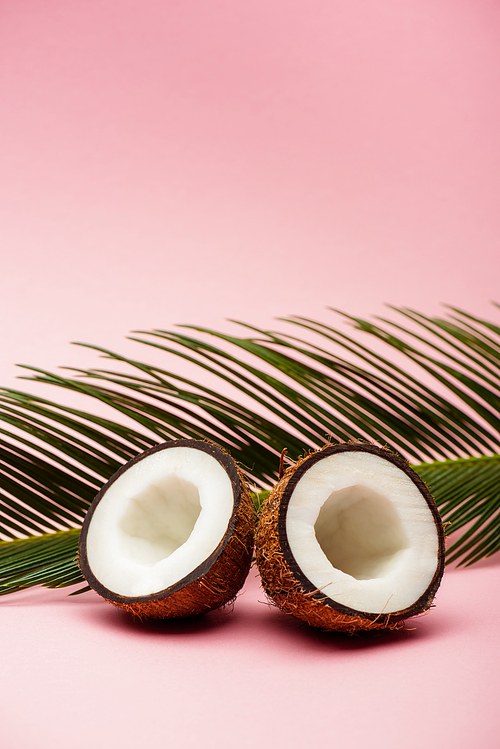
<point>362,533</point>
<point>158,521</point>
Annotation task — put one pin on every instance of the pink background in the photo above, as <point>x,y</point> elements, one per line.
<point>173,162</point>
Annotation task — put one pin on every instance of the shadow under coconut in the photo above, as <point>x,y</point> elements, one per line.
<point>300,634</point>
<point>115,618</point>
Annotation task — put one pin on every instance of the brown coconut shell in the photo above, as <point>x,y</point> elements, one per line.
<point>213,583</point>
<point>286,584</point>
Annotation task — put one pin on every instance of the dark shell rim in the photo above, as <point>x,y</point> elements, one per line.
<point>201,570</point>
<point>425,600</point>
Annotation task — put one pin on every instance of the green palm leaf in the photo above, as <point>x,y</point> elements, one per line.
<point>435,399</point>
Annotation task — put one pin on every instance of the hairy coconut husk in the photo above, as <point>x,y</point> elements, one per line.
<point>212,584</point>
<point>287,585</point>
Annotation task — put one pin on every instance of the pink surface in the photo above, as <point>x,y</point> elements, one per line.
<point>85,675</point>
<point>169,162</point>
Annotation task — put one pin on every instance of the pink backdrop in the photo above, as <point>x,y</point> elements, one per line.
<point>184,162</point>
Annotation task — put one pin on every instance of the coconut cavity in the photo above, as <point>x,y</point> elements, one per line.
<point>159,520</point>
<point>360,532</point>
<point>168,519</point>
<point>357,541</point>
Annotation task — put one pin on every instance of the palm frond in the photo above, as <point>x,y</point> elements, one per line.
<point>48,560</point>
<point>435,399</point>
<point>467,492</point>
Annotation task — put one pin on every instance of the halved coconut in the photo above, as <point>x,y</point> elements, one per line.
<point>350,538</point>
<point>171,533</point>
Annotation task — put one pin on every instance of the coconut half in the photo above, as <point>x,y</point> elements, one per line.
<point>171,533</point>
<point>350,538</point>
